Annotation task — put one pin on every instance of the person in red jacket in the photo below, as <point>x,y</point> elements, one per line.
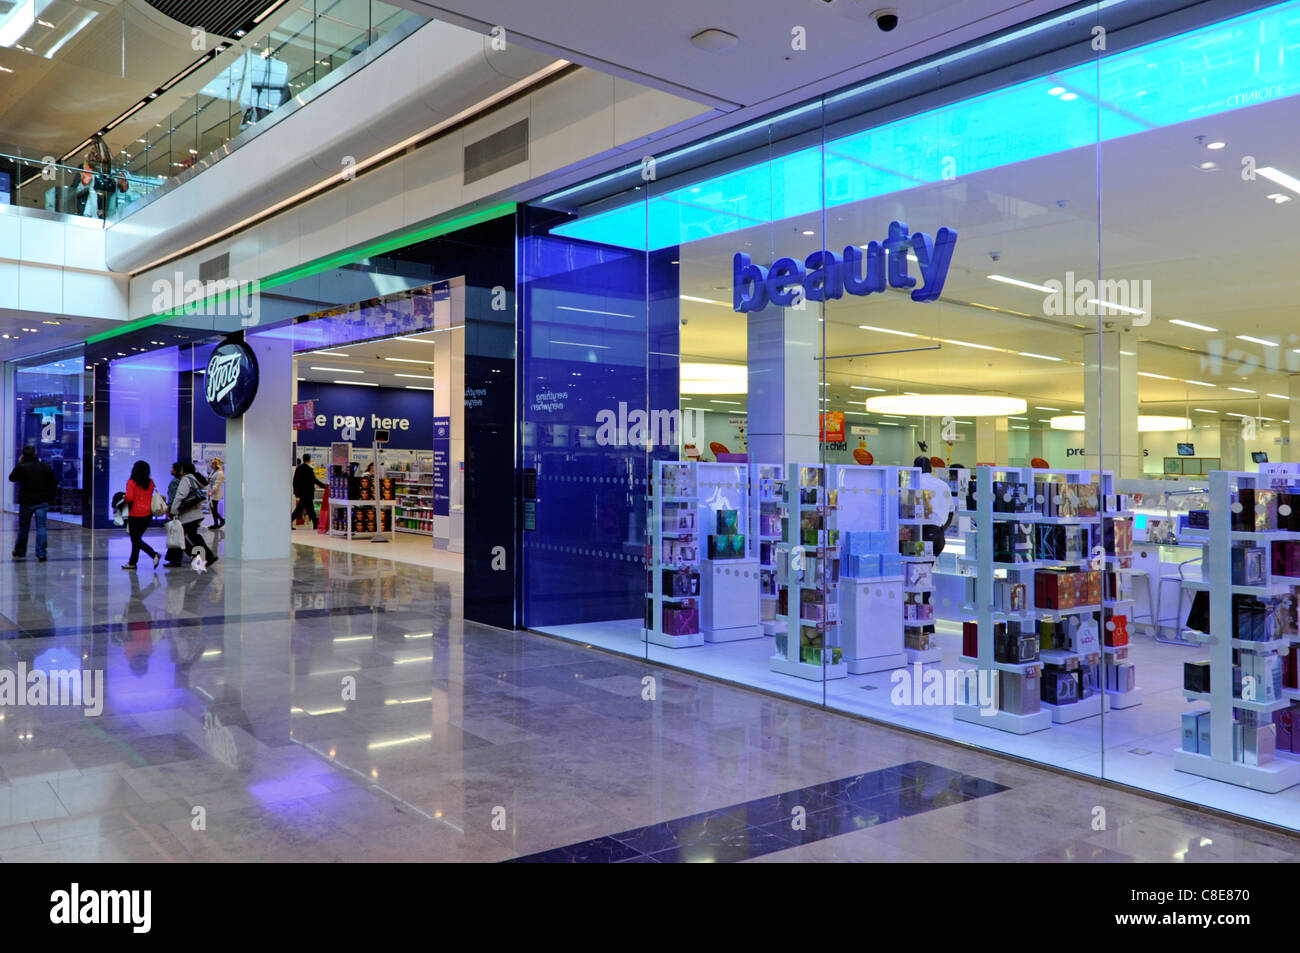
<point>139,497</point>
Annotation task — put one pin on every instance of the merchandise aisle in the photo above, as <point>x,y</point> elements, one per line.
<point>1071,588</point>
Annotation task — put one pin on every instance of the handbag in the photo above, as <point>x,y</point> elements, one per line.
<point>175,534</point>
<point>157,506</point>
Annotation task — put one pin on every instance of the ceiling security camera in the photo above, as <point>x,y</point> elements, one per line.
<point>886,19</point>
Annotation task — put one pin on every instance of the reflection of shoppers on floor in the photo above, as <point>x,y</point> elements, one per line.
<point>304,488</point>
<point>36,488</point>
<point>217,492</point>
<point>188,508</point>
<point>139,497</point>
<point>137,637</point>
<point>939,511</point>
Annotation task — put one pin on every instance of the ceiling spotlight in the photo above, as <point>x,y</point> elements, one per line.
<point>1215,145</point>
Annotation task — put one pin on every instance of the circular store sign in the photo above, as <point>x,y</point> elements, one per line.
<point>231,381</point>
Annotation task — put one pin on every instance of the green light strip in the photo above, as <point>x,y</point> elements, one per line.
<point>315,267</point>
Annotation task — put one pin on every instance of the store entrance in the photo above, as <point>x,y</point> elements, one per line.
<point>380,424</point>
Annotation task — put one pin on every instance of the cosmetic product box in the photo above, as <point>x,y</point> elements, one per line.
<point>1266,670</point>
<point>1287,721</point>
<point>680,583</point>
<point>1258,743</point>
<point>1084,638</point>
<point>728,522</point>
<point>1116,631</point>
<point>1015,648</point>
<point>726,547</point>
<point>1247,565</point>
<point>1020,694</point>
<point>1120,677</point>
<point>891,564</point>
<point>1059,687</point>
<point>681,621</point>
<point>1241,517</point>
<point>1196,676</point>
<point>1053,589</point>
<point>970,639</point>
<point>1089,680</point>
<point>918,574</point>
<point>918,640</point>
<point>1050,635</point>
<point>1191,728</point>
<point>1203,733</point>
<point>1290,659</point>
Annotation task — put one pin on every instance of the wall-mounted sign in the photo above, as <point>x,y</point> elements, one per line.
<point>231,380</point>
<point>822,276</point>
<point>304,415</point>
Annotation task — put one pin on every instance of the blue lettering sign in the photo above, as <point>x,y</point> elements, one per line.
<point>824,277</point>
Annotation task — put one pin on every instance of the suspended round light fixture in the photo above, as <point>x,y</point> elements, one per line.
<point>713,378</point>
<point>945,405</point>
<point>1147,423</point>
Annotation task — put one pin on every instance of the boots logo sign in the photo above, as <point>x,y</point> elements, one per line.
<point>824,276</point>
<point>231,382</point>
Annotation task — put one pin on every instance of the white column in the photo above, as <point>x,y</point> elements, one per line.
<point>1291,448</point>
<point>1232,449</point>
<point>991,440</point>
<point>784,385</point>
<point>259,467</point>
<point>1110,404</point>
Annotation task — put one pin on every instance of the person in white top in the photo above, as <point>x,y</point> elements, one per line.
<point>940,509</point>
<point>217,492</point>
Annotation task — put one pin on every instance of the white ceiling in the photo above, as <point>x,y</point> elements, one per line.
<point>650,42</point>
<point>25,333</point>
<point>371,359</point>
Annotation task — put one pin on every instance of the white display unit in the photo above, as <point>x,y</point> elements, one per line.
<point>807,571</point>
<point>673,489</point>
<point>871,608</point>
<point>729,588</point>
<point>913,592</point>
<point>349,505</point>
<point>1121,565</point>
<point>767,509</point>
<point>1284,770</point>
<point>413,489</point>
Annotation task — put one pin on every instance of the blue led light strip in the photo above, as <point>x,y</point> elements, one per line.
<point>1212,70</point>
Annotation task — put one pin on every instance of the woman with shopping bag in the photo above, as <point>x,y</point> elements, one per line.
<point>143,502</point>
<point>187,508</point>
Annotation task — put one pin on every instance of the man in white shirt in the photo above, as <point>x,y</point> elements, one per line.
<point>940,510</point>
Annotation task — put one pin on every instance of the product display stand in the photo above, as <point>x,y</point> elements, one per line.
<point>1120,566</point>
<point>918,578</point>
<point>674,541</point>
<point>871,607</point>
<point>414,512</point>
<point>808,576</point>
<point>729,587</point>
<point>1220,763</point>
<point>767,504</point>
<point>347,506</point>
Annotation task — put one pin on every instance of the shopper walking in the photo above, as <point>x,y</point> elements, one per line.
<point>139,497</point>
<point>217,492</point>
<point>175,555</point>
<point>37,486</point>
<point>187,506</point>
<point>304,488</point>
<point>939,511</point>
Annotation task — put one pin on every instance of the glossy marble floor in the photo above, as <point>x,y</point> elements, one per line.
<point>335,707</point>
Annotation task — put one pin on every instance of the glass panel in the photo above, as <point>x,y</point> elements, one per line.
<point>50,416</point>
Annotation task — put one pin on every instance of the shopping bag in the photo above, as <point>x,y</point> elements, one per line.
<point>175,535</point>
<point>157,506</point>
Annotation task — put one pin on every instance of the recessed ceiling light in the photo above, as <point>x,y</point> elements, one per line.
<point>1041,407</point>
<point>1056,91</point>
<point>337,370</point>
<point>409,360</point>
<point>1280,177</point>
<point>1159,377</point>
<point>422,377</point>
<point>1278,198</point>
<point>879,390</point>
<point>1021,284</point>
<point>1069,97</point>
<point>808,232</point>
<point>1242,390</point>
<point>1208,165</point>
<point>1193,325</point>
<point>1116,307</point>
<point>1041,357</point>
<point>704,300</point>
<point>1203,410</point>
<point>1198,383</point>
<point>417,387</point>
<point>1247,337</point>
<point>1278,396</point>
<point>1216,145</point>
<point>982,347</point>
<point>358,383</point>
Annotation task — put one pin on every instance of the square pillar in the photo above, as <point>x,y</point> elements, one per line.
<point>1110,404</point>
<point>784,385</point>
<point>259,461</point>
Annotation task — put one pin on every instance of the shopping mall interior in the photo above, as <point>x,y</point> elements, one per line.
<point>902,436</point>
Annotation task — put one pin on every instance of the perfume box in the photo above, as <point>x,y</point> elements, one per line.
<point>918,575</point>
<point>728,522</point>
<point>683,620</point>
<point>1287,722</point>
<point>1192,728</point>
<point>680,584</point>
<point>1196,676</point>
<point>1116,631</point>
<point>918,640</point>
<point>1019,694</point>
<point>1247,565</point>
<point>726,547</point>
<point>970,639</point>
<point>1242,517</point>
<point>1015,648</point>
<point>1258,743</point>
<point>1089,680</point>
<point>1059,687</point>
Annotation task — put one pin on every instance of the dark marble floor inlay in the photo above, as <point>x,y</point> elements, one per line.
<point>189,622</point>
<point>769,824</point>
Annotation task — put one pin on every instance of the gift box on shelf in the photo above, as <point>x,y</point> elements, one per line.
<point>1196,676</point>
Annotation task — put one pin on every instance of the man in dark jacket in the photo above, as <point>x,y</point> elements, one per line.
<point>37,486</point>
<point>304,488</point>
